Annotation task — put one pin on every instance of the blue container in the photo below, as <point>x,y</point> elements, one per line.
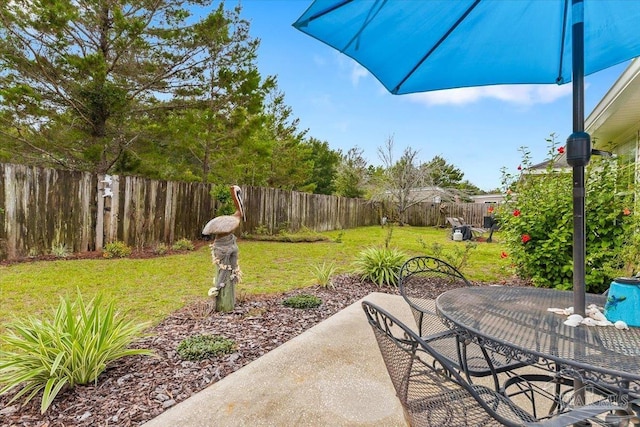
<point>623,301</point>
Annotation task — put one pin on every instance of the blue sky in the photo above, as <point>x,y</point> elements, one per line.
<point>479,130</point>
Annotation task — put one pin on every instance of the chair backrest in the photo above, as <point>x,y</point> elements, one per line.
<point>429,389</point>
<point>454,222</point>
<point>420,281</point>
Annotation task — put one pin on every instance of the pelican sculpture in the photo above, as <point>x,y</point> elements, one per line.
<point>226,224</point>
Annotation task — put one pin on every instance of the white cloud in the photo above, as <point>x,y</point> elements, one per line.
<point>358,72</point>
<point>322,101</point>
<point>515,94</point>
<point>319,60</point>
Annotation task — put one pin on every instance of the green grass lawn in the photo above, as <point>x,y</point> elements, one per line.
<point>151,288</point>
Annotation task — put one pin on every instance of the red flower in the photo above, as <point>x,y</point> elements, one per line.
<point>561,150</point>
<point>626,212</point>
<point>519,167</point>
<point>490,210</point>
<point>503,254</point>
<point>525,238</point>
<point>516,212</point>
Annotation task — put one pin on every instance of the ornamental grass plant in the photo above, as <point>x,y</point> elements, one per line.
<point>323,273</point>
<point>380,265</point>
<point>70,346</point>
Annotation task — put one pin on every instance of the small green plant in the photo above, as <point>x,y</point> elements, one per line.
<point>160,249</point>
<point>388,235</point>
<point>380,265</point>
<point>457,256</point>
<point>60,250</point>
<point>323,272</point>
<point>224,202</point>
<point>70,346</point>
<point>200,347</point>
<point>116,249</point>
<point>261,230</point>
<point>183,244</point>
<point>302,301</point>
<point>339,237</point>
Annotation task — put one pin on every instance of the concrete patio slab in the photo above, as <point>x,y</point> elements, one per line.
<point>330,375</point>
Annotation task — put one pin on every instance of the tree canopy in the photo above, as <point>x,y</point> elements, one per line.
<point>168,89</point>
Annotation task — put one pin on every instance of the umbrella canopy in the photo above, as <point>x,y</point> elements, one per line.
<point>417,46</point>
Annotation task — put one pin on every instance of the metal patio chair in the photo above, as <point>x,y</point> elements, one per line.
<point>433,393</point>
<point>421,280</point>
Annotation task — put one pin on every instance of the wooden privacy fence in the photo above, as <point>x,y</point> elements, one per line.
<point>273,210</point>
<point>42,208</point>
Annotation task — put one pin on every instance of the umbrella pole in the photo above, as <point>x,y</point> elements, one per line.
<point>578,155</point>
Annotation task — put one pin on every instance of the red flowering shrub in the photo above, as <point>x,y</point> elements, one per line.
<point>537,224</point>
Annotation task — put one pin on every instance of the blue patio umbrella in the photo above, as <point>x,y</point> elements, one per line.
<point>417,46</point>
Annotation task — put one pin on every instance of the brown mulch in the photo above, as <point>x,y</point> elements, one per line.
<point>137,389</point>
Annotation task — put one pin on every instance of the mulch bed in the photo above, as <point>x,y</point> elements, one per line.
<point>137,389</point>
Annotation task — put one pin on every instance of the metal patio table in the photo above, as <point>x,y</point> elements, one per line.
<point>514,321</point>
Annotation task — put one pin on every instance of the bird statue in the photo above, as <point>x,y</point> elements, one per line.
<point>226,224</point>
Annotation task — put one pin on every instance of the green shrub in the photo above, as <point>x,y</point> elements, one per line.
<point>60,250</point>
<point>538,224</point>
<point>116,250</point>
<point>199,347</point>
<point>224,202</point>
<point>72,345</point>
<point>323,272</point>
<point>183,244</point>
<point>302,301</point>
<point>160,249</point>
<point>380,265</point>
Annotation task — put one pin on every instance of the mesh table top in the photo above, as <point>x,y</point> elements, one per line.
<point>515,321</point>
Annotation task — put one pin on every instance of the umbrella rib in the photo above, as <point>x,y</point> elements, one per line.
<point>564,35</point>
<point>442,39</point>
<point>324,12</point>
<point>364,25</point>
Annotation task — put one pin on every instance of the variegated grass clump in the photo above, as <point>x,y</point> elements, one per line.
<point>380,265</point>
<point>323,273</point>
<point>60,250</point>
<point>72,345</point>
